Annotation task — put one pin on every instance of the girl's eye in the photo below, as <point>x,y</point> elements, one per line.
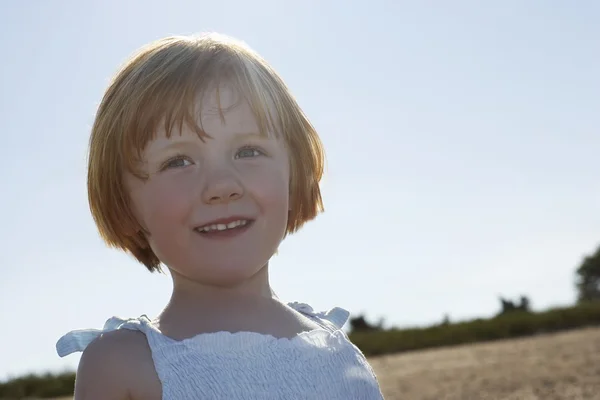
<point>177,162</point>
<point>248,152</point>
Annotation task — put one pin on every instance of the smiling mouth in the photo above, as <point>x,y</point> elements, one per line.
<point>224,230</point>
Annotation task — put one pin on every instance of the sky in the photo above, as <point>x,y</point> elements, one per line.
<point>462,143</point>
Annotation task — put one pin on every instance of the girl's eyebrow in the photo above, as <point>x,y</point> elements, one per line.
<point>182,143</point>
<point>173,144</point>
<point>248,135</point>
<point>254,135</point>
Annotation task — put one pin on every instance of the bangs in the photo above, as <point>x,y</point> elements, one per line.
<point>172,86</point>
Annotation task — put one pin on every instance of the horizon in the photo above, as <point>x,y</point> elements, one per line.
<point>461,145</point>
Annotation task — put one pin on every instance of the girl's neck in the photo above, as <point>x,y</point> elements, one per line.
<point>192,295</point>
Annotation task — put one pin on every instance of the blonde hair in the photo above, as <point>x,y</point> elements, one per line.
<point>161,85</point>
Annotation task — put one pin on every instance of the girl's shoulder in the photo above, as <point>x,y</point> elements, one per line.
<point>117,364</point>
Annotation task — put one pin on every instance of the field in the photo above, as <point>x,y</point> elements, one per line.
<point>550,367</point>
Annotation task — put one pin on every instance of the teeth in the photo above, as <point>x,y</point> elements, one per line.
<point>222,227</point>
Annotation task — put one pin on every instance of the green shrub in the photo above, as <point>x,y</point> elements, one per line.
<point>505,326</point>
<point>38,386</point>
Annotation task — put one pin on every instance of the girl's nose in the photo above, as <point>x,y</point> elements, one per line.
<point>222,189</point>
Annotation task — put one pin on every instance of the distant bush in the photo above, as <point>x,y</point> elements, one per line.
<point>508,306</point>
<point>360,324</point>
<point>38,386</point>
<point>503,326</point>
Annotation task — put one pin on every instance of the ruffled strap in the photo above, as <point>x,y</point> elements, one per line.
<point>333,319</point>
<point>78,340</point>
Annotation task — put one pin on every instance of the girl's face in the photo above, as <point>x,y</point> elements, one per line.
<point>214,211</point>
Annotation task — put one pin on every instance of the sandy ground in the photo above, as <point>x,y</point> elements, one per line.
<point>549,367</point>
<point>546,367</point>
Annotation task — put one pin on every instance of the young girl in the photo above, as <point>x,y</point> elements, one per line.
<point>202,161</point>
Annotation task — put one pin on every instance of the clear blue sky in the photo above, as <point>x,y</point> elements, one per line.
<point>462,148</point>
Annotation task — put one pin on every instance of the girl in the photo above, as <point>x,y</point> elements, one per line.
<point>202,161</point>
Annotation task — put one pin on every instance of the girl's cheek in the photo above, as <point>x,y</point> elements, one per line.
<point>273,192</point>
<point>168,203</point>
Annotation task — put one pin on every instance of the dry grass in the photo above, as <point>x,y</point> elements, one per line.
<point>549,367</point>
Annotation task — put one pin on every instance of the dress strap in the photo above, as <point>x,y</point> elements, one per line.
<point>333,319</point>
<point>78,340</point>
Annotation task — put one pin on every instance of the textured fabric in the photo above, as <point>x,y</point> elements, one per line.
<point>320,364</point>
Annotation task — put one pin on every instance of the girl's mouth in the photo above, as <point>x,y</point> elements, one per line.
<point>223,230</point>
